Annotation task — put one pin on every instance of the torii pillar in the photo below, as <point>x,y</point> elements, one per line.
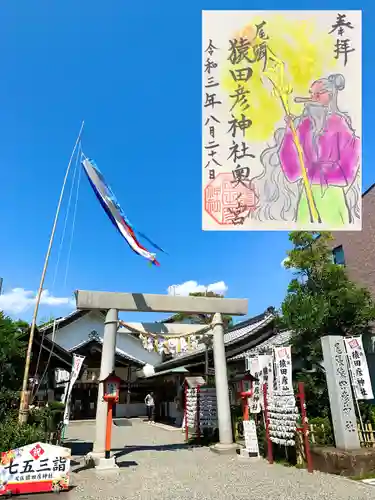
<point>222,389</point>
<point>114,302</point>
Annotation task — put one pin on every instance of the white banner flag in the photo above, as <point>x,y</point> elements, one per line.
<point>266,374</point>
<point>283,369</point>
<point>65,393</point>
<point>358,367</point>
<point>266,369</point>
<point>255,399</point>
<point>76,368</point>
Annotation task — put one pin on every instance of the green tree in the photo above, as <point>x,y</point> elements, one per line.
<point>13,345</point>
<point>45,321</point>
<point>321,300</point>
<point>12,359</point>
<point>201,319</point>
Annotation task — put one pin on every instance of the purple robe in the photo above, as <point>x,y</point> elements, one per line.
<point>335,159</point>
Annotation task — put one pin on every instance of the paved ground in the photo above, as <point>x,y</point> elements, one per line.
<point>156,464</point>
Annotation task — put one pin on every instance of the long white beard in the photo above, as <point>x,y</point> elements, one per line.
<point>318,116</point>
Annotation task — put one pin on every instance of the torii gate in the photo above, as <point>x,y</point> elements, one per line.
<point>113,302</point>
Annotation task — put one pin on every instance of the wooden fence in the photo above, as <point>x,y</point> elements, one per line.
<point>319,434</point>
<point>366,436</point>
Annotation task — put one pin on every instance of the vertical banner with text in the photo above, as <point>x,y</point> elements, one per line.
<point>283,369</point>
<point>360,375</point>
<point>76,368</point>
<point>254,401</point>
<point>266,373</point>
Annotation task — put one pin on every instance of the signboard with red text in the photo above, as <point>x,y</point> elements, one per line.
<point>35,468</point>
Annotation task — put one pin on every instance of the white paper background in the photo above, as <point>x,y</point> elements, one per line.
<point>220,27</point>
<point>364,368</point>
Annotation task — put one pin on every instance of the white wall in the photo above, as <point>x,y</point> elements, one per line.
<point>130,410</point>
<point>133,346</point>
<point>78,331</point>
<point>139,410</point>
<point>171,409</point>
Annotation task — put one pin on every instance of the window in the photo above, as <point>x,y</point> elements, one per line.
<point>338,255</point>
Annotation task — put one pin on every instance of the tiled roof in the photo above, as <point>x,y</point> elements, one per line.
<point>65,320</point>
<point>119,352</point>
<point>56,351</point>
<point>238,332</point>
<point>277,340</point>
<point>235,334</point>
<point>242,330</point>
<point>71,316</point>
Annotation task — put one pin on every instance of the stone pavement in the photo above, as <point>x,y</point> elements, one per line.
<point>156,464</point>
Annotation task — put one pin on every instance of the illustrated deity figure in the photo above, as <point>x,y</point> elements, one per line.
<point>331,159</point>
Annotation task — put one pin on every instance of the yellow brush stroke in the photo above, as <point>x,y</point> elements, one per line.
<point>307,55</point>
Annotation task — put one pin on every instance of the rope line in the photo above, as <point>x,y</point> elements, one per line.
<point>65,221</point>
<point>79,155</point>
<point>202,331</point>
<point>76,165</point>
<point>35,387</point>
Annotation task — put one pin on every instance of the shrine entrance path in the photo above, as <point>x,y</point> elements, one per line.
<point>156,464</point>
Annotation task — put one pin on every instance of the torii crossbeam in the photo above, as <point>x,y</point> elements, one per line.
<point>144,302</point>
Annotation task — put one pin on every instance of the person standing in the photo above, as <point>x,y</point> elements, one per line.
<point>150,407</point>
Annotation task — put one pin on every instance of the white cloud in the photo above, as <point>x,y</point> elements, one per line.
<point>284,261</point>
<point>20,300</point>
<point>193,287</point>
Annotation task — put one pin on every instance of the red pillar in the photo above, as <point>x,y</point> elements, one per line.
<point>185,414</point>
<point>198,414</point>
<point>108,434</point>
<point>305,425</point>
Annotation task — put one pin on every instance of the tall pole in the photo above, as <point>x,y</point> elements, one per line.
<point>206,361</point>
<point>1,286</point>
<point>207,343</point>
<point>23,412</point>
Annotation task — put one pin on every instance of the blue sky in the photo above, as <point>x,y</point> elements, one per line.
<point>133,73</point>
